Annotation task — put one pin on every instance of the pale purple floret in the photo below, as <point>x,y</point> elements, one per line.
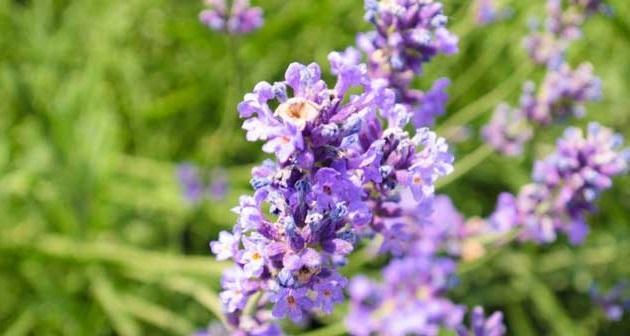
<point>195,188</point>
<point>293,303</point>
<point>218,186</point>
<point>226,247</point>
<point>328,294</point>
<point>482,326</point>
<point>613,303</point>
<point>240,18</point>
<point>190,182</point>
<point>508,130</point>
<point>505,216</point>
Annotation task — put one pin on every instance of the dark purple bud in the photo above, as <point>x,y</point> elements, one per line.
<point>295,239</point>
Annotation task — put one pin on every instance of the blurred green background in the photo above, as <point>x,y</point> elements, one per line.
<point>100,100</point>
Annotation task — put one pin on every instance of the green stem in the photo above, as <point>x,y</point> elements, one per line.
<point>335,329</point>
<point>235,88</point>
<point>23,325</point>
<point>104,252</point>
<point>464,165</point>
<point>112,304</point>
<point>252,304</point>
<point>479,106</point>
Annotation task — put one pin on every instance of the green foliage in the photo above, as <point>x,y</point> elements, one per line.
<point>99,100</point>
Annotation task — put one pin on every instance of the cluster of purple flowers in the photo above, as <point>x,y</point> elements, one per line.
<point>347,168</point>
<point>340,160</point>
<point>411,300</point>
<point>407,34</point>
<point>563,25</point>
<point>564,90</point>
<point>195,188</point>
<point>239,18</point>
<point>566,185</point>
<point>562,94</point>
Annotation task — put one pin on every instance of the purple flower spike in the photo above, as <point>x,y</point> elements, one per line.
<point>563,25</point>
<point>563,93</point>
<point>346,166</point>
<point>340,159</point>
<point>406,35</point>
<point>566,185</point>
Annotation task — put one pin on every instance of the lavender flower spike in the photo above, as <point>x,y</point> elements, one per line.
<point>563,25</point>
<point>339,159</point>
<point>563,93</point>
<point>566,185</point>
<point>406,35</point>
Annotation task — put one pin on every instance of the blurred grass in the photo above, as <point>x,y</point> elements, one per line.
<point>99,100</point>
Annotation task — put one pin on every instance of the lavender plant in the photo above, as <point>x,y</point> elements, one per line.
<point>349,168</point>
<point>564,90</point>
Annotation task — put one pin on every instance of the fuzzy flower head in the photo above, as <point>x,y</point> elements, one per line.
<point>563,93</point>
<point>338,159</point>
<point>508,130</point>
<point>567,183</point>
<point>408,302</point>
<point>562,26</point>
<point>583,165</point>
<point>406,35</point>
<point>240,18</point>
